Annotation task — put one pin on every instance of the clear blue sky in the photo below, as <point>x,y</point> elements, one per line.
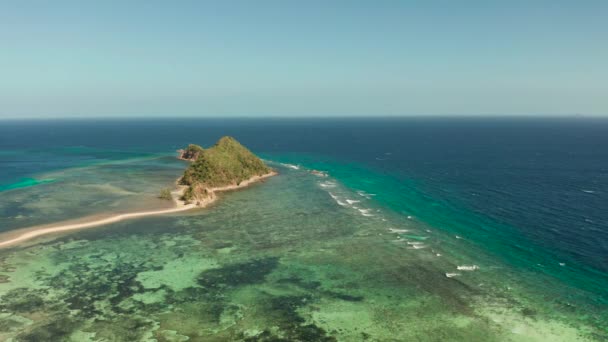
<point>302,58</point>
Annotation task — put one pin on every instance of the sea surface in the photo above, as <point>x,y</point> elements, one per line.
<point>430,229</point>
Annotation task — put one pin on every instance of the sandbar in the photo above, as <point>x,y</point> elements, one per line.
<point>25,234</point>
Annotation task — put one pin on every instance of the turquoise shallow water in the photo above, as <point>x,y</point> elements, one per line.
<point>297,258</point>
<point>24,183</point>
<point>363,254</point>
<point>111,186</point>
<point>503,241</point>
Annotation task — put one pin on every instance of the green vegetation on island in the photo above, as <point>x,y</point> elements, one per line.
<point>165,194</point>
<point>225,163</point>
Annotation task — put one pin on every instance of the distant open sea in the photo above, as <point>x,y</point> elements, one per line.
<point>523,199</point>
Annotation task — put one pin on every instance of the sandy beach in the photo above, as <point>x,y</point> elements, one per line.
<point>21,235</point>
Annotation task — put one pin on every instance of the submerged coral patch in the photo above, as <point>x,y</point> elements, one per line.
<point>233,275</point>
<point>22,300</point>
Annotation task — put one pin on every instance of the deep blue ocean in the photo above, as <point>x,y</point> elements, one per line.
<point>531,191</point>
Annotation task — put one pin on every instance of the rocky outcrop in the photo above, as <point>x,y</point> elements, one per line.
<point>191,153</point>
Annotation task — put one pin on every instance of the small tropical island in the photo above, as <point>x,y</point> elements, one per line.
<point>225,166</point>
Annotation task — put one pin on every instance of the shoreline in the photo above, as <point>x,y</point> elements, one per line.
<point>84,223</point>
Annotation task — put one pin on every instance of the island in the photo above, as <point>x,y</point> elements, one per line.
<point>227,165</point>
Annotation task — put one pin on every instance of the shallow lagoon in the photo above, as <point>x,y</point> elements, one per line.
<point>299,257</point>
<point>110,186</point>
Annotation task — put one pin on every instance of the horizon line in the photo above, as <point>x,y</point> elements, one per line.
<point>299,117</point>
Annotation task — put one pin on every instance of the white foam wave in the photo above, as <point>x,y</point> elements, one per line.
<point>416,245</point>
<point>398,231</point>
<point>352,201</point>
<point>337,199</point>
<point>291,166</point>
<point>365,212</point>
<point>365,194</point>
<point>327,184</point>
<point>319,173</point>
<point>467,268</point>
